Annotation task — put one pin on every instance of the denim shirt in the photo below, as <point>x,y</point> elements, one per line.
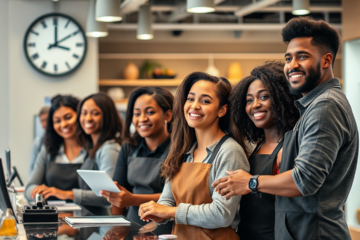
<point>328,153</point>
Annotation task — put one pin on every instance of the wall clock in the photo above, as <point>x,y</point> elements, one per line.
<point>55,44</point>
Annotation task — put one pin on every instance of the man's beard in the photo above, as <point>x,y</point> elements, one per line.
<point>310,81</point>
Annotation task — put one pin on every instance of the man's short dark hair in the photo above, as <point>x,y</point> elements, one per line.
<point>323,35</point>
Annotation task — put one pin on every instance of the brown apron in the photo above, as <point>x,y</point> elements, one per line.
<point>191,185</point>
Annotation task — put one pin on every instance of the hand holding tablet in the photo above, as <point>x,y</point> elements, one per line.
<point>98,180</point>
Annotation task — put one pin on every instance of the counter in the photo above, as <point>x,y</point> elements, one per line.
<point>64,231</point>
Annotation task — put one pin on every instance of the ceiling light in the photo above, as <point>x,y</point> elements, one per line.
<point>108,11</point>
<point>301,7</point>
<point>144,28</point>
<point>93,27</point>
<point>200,6</point>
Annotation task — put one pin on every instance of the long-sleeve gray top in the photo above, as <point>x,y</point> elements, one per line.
<point>105,159</point>
<point>221,212</point>
<point>39,171</point>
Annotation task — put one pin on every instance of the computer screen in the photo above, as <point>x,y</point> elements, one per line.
<point>5,201</point>
<point>8,163</point>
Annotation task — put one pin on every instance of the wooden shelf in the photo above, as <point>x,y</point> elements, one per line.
<point>234,56</point>
<point>140,82</point>
<point>145,82</point>
<point>247,56</point>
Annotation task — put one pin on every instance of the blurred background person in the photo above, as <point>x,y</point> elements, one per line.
<point>38,141</point>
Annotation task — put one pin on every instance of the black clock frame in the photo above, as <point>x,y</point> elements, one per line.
<point>54,15</point>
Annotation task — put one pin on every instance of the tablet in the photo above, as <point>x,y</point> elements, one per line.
<point>98,180</point>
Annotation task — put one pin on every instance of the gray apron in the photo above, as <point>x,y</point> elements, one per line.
<point>258,214</point>
<point>295,218</point>
<point>61,176</point>
<point>144,177</point>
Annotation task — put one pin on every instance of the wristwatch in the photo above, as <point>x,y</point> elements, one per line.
<point>253,184</point>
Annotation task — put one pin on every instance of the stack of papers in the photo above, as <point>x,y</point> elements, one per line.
<point>77,222</point>
<point>63,206</point>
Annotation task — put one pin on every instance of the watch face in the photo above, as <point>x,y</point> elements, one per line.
<point>252,183</point>
<point>55,44</point>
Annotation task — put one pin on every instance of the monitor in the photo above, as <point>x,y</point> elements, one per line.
<point>10,176</point>
<point>8,163</point>
<point>5,201</point>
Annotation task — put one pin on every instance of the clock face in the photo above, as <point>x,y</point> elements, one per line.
<point>55,44</point>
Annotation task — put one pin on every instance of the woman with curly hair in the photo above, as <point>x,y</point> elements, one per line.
<point>263,110</point>
<point>201,151</point>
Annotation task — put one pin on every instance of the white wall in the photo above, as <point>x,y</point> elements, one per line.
<point>351,60</point>
<point>27,87</point>
<point>4,86</point>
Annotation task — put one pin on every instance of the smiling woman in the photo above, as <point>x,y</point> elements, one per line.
<point>201,152</point>
<point>138,166</point>
<point>100,127</point>
<point>55,168</point>
<point>265,99</point>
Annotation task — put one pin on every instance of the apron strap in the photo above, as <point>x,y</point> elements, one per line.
<point>41,143</point>
<point>276,150</point>
<point>136,151</point>
<point>258,146</point>
<point>217,148</point>
<point>166,152</point>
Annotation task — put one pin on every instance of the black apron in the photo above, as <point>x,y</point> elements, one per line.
<point>295,218</point>
<point>144,175</point>
<point>257,215</point>
<point>61,175</point>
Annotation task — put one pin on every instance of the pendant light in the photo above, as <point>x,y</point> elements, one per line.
<point>211,69</point>
<point>108,11</point>
<point>200,6</point>
<point>301,7</point>
<point>144,27</point>
<point>94,28</point>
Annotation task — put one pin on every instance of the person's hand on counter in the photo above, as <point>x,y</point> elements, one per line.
<point>52,191</point>
<point>156,212</point>
<point>121,200</point>
<point>236,184</point>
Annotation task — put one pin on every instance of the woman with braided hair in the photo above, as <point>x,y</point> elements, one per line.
<point>263,110</point>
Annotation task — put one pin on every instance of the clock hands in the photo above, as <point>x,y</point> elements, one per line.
<point>63,39</point>
<point>56,31</point>
<point>65,48</point>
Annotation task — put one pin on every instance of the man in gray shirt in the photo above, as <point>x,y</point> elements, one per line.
<point>320,154</point>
